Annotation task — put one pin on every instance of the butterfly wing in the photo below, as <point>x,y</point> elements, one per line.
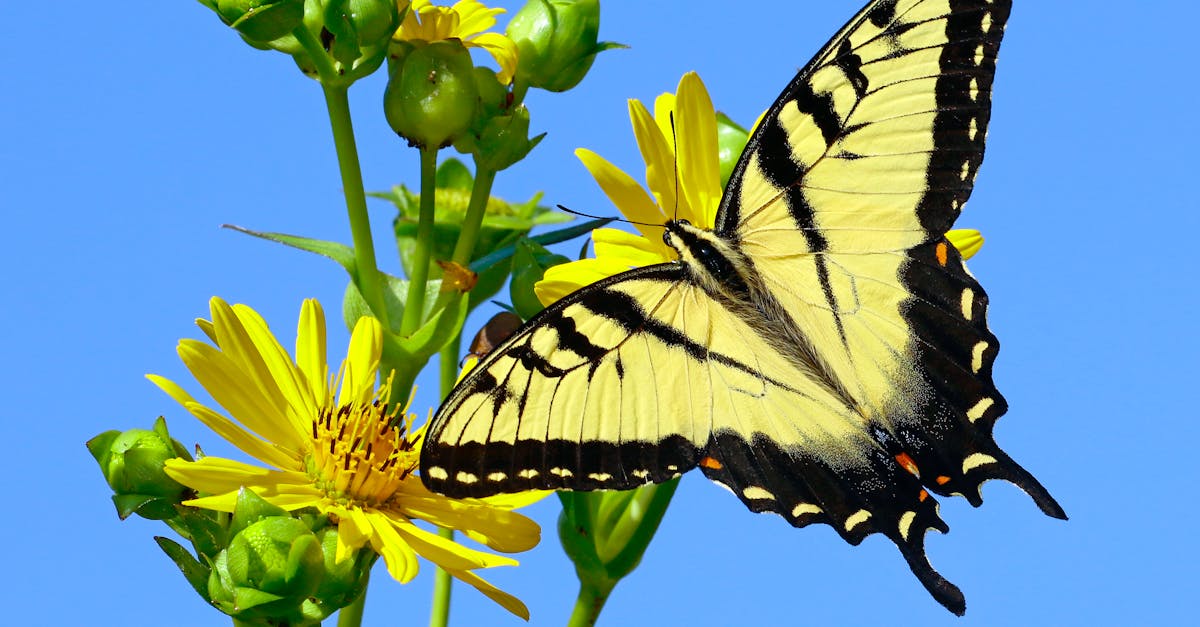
<point>617,385</point>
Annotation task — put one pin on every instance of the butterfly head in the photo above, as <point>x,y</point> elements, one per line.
<point>712,260</point>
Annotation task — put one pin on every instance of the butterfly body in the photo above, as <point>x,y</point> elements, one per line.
<point>822,351</point>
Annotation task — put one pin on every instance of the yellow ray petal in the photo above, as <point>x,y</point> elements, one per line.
<point>444,552</point>
<point>474,17</point>
<point>239,347</point>
<point>499,529</point>
<point>224,427</point>
<point>298,398</point>
<point>506,600</point>
<point>362,362</point>
<point>400,558</point>
<point>696,122</point>
<point>659,156</point>
<point>310,349</point>
<point>566,278</point>
<point>624,192</point>
<point>664,108</point>
<point>967,241</point>
<point>217,474</point>
<point>502,49</point>
<point>636,250</point>
<point>231,388</point>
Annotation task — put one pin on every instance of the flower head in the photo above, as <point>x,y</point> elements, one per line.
<point>332,443</point>
<point>465,21</point>
<point>684,181</point>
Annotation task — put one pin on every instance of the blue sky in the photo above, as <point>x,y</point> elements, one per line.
<point>132,133</point>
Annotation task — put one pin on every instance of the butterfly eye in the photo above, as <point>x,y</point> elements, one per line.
<point>667,237</point>
<point>684,222</point>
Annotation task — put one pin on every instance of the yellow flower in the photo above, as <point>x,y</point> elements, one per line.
<point>698,184</point>
<point>465,21</point>
<point>344,452</point>
<point>691,167</point>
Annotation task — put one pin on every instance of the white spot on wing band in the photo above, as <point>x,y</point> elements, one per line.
<point>437,472</point>
<point>465,477</point>
<point>968,303</point>
<point>599,476</point>
<point>977,357</point>
<point>528,473</point>
<point>856,519</point>
<point>641,473</point>
<point>755,493</point>
<point>906,521</point>
<point>805,508</point>
<point>561,472</point>
<point>497,476</point>
<point>976,460</point>
<point>976,412</point>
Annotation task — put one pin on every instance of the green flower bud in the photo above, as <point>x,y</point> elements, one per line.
<point>432,97</point>
<point>132,463</point>
<point>556,42</point>
<point>343,581</point>
<point>505,140</point>
<point>530,263</point>
<point>260,20</point>
<point>269,570</point>
<point>357,24</point>
<point>731,140</point>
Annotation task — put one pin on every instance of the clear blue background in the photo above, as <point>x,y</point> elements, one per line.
<point>132,131</point>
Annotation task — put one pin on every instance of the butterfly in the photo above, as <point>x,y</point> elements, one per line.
<point>822,352</point>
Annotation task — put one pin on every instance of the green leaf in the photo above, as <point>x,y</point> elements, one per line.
<point>341,253</point>
<point>195,572</point>
<point>544,239</point>
<point>203,528</point>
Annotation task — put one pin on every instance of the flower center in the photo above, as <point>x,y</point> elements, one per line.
<point>358,455</point>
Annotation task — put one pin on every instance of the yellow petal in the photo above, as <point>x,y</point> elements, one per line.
<point>502,49</point>
<point>354,530</point>
<point>362,362</point>
<point>445,552</point>
<point>235,342</point>
<point>506,600</point>
<point>233,390</point>
<point>624,192</point>
<point>400,558</point>
<point>217,474</point>
<point>967,241</point>
<point>517,499</point>
<point>664,111</point>
<point>563,279</point>
<point>310,349</point>
<point>227,429</point>
<point>474,17</point>
<point>499,529</point>
<point>621,245</point>
<point>659,156</point>
<point>297,396</point>
<point>697,150</point>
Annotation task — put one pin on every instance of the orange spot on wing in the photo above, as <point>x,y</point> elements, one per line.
<point>942,480</point>
<point>906,462</point>
<point>922,495</point>
<point>942,254</point>
<point>711,463</point>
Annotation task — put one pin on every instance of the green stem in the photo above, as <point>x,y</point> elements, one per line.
<point>591,599</point>
<point>481,191</point>
<point>414,304</point>
<point>367,276</point>
<point>439,614</point>
<point>352,615</point>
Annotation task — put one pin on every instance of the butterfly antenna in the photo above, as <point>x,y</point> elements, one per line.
<point>675,160</point>
<point>588,215</point>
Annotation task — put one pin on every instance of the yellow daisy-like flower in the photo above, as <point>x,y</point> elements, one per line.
<point>465,21</point>
<point>333,450</point>
<point>698,181</point>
